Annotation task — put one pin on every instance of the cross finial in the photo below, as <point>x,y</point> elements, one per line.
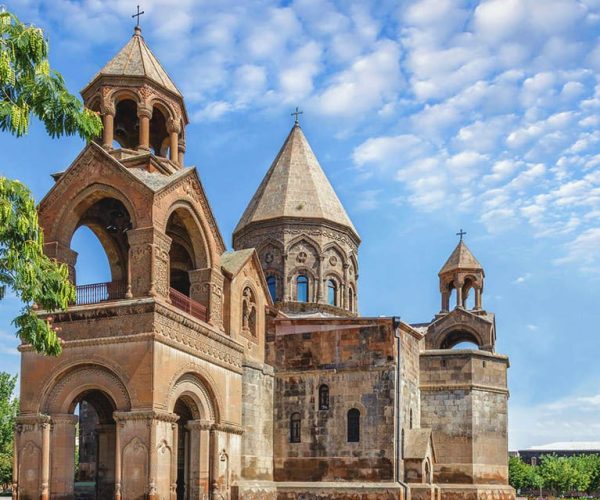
<point>296,113</point>
<point>461,233</point>
<point>138,16</point>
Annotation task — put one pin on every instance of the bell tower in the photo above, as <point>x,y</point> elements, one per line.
<point>461,273</point>
<point>141,108</point>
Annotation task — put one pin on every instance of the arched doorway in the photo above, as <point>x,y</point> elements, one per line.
<point>94,446</point>
<point>186,469</point>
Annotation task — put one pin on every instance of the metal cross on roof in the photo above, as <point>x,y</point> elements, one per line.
<point>138,15</point>
<point>461,233</point>
<point>296,113</point>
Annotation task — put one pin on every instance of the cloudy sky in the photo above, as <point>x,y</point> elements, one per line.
<point>429,117</point>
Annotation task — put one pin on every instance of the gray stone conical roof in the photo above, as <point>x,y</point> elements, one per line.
<point>461,258</point>
<point>137,60</point>
<point>295,186</point>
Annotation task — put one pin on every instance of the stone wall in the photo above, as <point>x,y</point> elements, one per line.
<point>464,400</point>
<point>356,359</point>
<point>257,421</point>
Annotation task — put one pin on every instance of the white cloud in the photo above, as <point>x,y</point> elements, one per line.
<point>573,418</point>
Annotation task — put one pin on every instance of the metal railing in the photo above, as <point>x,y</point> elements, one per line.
<point>100,292</point>
<point>185,303</point>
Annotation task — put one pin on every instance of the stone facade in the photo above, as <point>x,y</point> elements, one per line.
<point>198,373</point>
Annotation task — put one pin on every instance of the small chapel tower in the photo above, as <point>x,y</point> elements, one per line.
<point>461,272</point>
<point>307,244</point>
<point>142,109</point>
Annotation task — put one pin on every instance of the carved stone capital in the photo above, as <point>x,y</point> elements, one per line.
<point>144,111</point>
<point>174,125</point>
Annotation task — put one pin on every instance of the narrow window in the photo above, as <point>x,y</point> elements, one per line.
<point>272,284</point>
<point>295,428</point>
<point>302,288</point>
<point>332,292</point>
<point>351,299</point>
<point>353,425</point>
<point>411,419</point>
<point>324,397</point>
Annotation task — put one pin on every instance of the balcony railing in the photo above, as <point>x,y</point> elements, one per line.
<point>100,292</point>
<point>190,306</point>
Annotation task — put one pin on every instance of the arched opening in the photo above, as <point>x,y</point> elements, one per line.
<point>295,422</point>
<point>185,408</point>
<point>92,264</point>
<point>272,285</point>
<point>353,425</point>
<point>468,295</point>
<point>100,237</point>
<point>302,288</point>
<point>159,137</point>
<point>127,124</point>
<point>460,339</point>
<point>94,446</point>
<point>324,397</point>
<point>351,299</point>
<point>332,292</point>
<point>452,297</point>
<point>181,253</point>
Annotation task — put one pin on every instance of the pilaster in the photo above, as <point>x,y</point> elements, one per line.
<point>206,287</point>
<point>149,262</point>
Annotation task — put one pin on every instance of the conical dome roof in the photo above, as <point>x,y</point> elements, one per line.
<point>137,60</point>
<point>461,258</point>
<point>295,186</point>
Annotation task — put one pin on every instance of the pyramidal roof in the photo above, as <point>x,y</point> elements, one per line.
<point>461,258</point>
<point>295,186</point>
<point>136,59</point>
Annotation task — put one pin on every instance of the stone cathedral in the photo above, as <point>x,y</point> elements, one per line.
<point>202,373</point>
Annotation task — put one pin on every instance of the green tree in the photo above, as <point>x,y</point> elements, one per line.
<point>564,474</point>
<point>8,412</point>
<point>28,86</point>
<point>523,476</point>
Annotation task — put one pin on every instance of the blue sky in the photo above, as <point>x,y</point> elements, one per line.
<point>427,117</point>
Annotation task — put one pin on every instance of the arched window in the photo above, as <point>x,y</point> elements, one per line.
<point>302,288</point>
<point>272,284</point>
<point>332,293</point>
<point>350,299</point>
<point>353,425</point>
<point>295,428</point>
<point>324,397</point>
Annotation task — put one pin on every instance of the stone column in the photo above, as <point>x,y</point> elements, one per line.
<point>174,128</point>
<point>285,281</point>
<point>181,152</point>
<point>204,460</point>
<point>152,489</point>
<point>214,463</point>
<point>206,287</point>
<point>319,297</point>
<point>64,428</point>
<point>149,261</point>
<point>145,115</point>
<point>108,131</point>
<point>118,468</point>
<point>478,299</point>
<point>459,296</point>
<point>174,458</point>
<point>45,461</point>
